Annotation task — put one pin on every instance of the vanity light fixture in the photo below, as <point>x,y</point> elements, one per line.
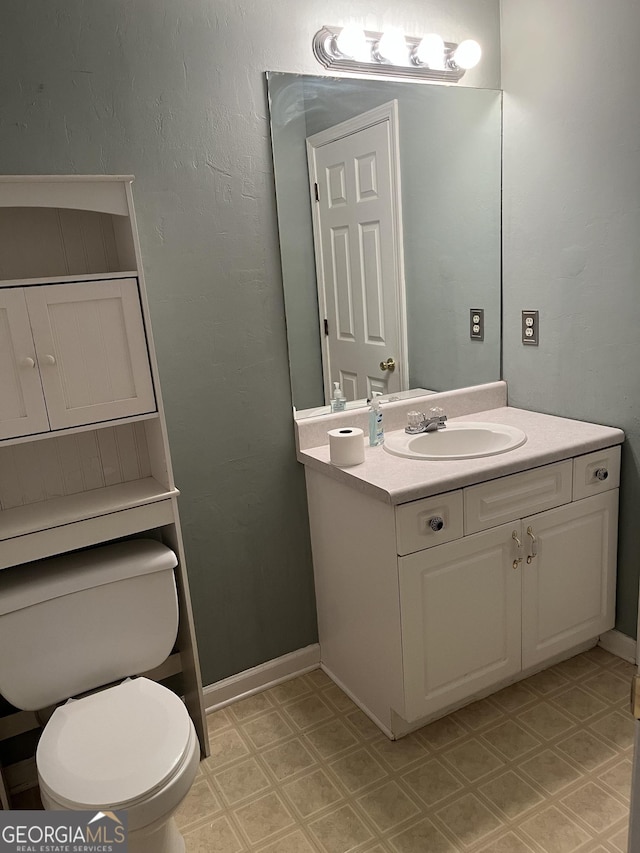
<point>428,57</point>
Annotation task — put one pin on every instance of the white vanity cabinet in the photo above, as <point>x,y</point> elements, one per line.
<point>74,354</point>
<point>426,605</point>
<point>84,454</point>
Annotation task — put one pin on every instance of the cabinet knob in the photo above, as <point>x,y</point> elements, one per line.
<point>436,523</point>
<point>602,473</point>
<point>49,359</point>
<point>27,362</point>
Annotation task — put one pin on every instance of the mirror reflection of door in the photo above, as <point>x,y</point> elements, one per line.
<point>354,174</point>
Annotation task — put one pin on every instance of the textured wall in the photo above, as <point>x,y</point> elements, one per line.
<point>174,93</point>
<point>571,226</point>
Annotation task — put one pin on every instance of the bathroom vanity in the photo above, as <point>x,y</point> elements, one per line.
<point>84,455</point>
<point>438,582</point>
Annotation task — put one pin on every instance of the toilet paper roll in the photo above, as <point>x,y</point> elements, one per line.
<point>346,446</point>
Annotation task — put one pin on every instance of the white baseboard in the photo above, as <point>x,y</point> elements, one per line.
<point>260,677</point>
<point>619,644</point>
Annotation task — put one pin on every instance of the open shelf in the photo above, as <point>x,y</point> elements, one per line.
<point>67,279</point>
<point>59,433</point>
<point>67,509</point>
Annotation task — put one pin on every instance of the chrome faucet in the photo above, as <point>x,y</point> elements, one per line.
<point>420,422</point>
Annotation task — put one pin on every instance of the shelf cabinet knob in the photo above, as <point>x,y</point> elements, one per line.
<point>27,362</point>
<point>49,359</point>
<point>436,523</point>
<point>601,473</point>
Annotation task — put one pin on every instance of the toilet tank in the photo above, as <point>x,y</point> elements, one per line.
<point>79,621</point>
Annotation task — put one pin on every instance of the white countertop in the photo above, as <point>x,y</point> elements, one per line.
<point>396,480</point>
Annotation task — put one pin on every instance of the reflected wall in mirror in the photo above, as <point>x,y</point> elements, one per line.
<point>449,162</point>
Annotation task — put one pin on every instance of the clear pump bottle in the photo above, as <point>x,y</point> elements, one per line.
<point>376,428</point>
<point>338,400</point>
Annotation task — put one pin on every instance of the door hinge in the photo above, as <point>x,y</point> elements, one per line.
<point>315,187</point>
<point>326,326</point>
<point>635,696</point>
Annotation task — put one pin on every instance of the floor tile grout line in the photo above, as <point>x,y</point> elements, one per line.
<point>435,749</point>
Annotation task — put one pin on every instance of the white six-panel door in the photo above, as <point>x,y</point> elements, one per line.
<point>22,409</point>
<point>358,243</point>
<point>91,351</point>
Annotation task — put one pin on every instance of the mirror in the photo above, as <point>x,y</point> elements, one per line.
<point>449,153</point>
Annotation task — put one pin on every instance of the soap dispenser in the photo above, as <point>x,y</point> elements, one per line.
<point>338,401</point>
<point>376,428</point>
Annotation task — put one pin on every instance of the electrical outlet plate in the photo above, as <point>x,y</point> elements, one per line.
<point>530,330</point>
<point>476,324</point>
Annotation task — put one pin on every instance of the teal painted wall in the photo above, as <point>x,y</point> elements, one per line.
<point>571,227</point>
<point>175,94</point>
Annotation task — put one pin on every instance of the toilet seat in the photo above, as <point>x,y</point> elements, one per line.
<point>116,748</point>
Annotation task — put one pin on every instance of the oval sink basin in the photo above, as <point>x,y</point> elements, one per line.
<point>456,441</point>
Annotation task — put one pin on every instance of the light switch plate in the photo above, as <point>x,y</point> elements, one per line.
<point>530,328</point>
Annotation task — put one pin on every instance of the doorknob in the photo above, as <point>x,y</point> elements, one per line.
<point>389,365</point>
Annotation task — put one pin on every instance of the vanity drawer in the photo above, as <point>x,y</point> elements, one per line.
<point>596,472</point>
<point>516,496</point>
<point>428,522</point>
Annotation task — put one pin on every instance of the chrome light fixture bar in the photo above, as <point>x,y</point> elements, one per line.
<point>393,54</point>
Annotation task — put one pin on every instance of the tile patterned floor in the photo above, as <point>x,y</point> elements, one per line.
<point>542,766</point>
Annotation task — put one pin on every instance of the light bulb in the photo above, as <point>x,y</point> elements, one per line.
<point>430,52</point>
<point>467,54</point>
<point>351,42</point>
<point>393,47</point>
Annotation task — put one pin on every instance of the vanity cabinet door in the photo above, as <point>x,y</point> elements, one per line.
<point>461,618</point>
<point>569,582</point>
<point>92,351</point>
<point>22,409</point>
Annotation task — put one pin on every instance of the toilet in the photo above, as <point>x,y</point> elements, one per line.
<point>74,624</point>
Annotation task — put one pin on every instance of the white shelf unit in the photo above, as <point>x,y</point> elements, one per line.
<point>84,455</point>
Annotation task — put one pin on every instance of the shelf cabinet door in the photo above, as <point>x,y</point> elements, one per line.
<point>91,350</point>
<point>569,586</point>
<point>461,619</point>
<point>22,408</point>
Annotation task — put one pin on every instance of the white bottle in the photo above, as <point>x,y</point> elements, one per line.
<point>376,428</point>
<point>338,401</point>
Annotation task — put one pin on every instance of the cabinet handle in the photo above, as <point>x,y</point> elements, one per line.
<point>27,362</point>
<point>534,545</point>
<point>436,523</point>
<point>49,359</point>
<point>602,473</point>
<point>518,559</point>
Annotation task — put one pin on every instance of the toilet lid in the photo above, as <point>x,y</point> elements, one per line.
<point>115,746</point>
